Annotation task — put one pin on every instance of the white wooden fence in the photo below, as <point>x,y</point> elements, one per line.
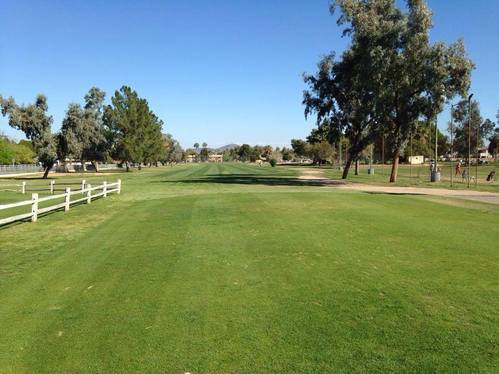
<point>18,169</point>
<point>23,186</point>
<point>86,189</point>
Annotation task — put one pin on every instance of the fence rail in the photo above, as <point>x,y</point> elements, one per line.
<point>51,186</point>
<point>18,169</point>
<point>86,189</point>
<point>33,168</point>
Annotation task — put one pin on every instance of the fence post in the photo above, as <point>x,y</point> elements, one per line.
<point>67,199</point>
<point>52,187</point>
<point>83,182</point>
<point>104,188</point>
<point>23,188</point>
<point>119,186</point>
<point>89,193</point>
<point>34,207</point>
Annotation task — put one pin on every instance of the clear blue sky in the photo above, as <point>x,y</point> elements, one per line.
<point>219,71</point>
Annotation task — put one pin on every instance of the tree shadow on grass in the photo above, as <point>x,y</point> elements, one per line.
<point>394,193</point>
<point>256,179</point>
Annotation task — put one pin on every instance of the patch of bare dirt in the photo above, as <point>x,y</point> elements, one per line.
<point>483,196</point>
<point>312,174</point>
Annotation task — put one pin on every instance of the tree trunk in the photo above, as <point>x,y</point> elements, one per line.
<point>127,166</point>
<point>395,166</point>
<point>46,172</point>
<point>96,166</point>
<point>347,167</point>
<point>356,167</point>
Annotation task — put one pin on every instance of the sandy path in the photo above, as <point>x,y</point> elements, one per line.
<point>312,174</point>
<point>489,197</point>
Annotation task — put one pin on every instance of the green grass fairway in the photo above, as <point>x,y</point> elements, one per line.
<point>244,269</point>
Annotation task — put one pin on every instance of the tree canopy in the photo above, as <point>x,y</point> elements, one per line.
<point>389,78</point>
<point>134,131</point>
<point>35,122</point>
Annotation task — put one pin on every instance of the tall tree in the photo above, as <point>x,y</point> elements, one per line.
<point>245,152</point>
<point>196,147</point>
<point>321,152</point>
<point>96,149</point>
<point>82,133</point>
<point>463,124</point>
<point>342,99</point>
<point>132,127</point>
<point>410,78</point>
<point>174,151</point>
<point>494,143</point>
<point>494,140</point>
<point>299,147</point>
<point>34,121</point>
<point>73,136</point>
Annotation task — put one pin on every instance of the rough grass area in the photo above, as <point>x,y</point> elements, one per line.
<point>419,176</point>
<point>237,268</point>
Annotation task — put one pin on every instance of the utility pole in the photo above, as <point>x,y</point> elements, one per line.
<point>477,152</point>
<point>451,143</point>
<point>469,138</point>
<point>429,147</point>
<point>436,145</point>
<point>410,160</point>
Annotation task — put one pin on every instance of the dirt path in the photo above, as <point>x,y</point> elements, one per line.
<point>318,175</point>
<point>489,197</point>
<point>312,174</point>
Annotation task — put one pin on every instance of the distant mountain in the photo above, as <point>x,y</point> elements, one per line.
<point>218,150</point>
<point>225,147</point>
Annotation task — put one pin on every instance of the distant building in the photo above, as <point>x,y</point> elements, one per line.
<point>484,153</point>
<point>416,160</point>
<point>217,158</point>
<point>190,158</point>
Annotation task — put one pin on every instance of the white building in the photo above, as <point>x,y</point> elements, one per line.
<point>484,153</point>
<point>416,160</point>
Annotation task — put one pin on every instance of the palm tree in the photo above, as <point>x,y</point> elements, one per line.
<point>196,146</point>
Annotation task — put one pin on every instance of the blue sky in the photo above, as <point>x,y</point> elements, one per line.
<point>220,71</point>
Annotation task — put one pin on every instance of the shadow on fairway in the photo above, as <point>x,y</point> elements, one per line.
<point>256,179</point>
<point>394,193</point>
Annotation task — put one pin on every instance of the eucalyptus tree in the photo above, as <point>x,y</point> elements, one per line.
<point>322,133</point>
<point>96,149</point>
<point>340,96</point>
<point>82,133</point>
<point>73,135</point>
<point>36,123</point>
<point>410,78</point>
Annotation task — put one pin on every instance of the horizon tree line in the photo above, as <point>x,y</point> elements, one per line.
<point>126,130</point>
